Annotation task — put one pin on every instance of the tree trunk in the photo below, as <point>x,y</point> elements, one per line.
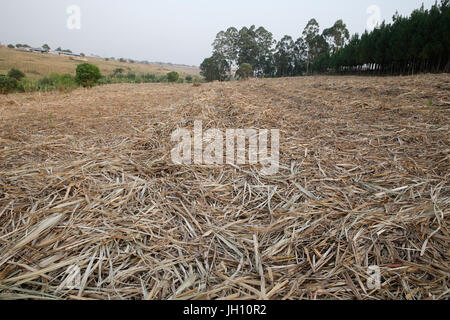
<point>439,64</point>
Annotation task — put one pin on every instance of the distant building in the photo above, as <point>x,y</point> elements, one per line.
<point>73,56</point>
<point>40,50</point>
<point>70,54</point>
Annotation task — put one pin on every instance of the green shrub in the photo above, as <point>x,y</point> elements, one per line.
<point>28,85</point>
<point>67,79</point>
<point>88,75</point>
<point>173,76</point>
<point>45,84</point>
<point>64,82</point>
<point>105,80</point>
<point>16,74</point>
<point>117,71</point>
<point>118,77</point>
<point>131,76</point>
<point>8,84</point>
<point>163,78</point>
<point>54,78</point>
<point>188,79</point>
<point>148,78</point>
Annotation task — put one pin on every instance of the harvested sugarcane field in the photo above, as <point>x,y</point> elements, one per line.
<point>224,160</point>
<point>93,205</point>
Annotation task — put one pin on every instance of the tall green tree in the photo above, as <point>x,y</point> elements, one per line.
<point>226,45</point>
<point>264,60</point>
<point>300,56</point>
<point>337,36</point>
<point>215,68</point>
<point>310,35</point>
<point>247,46</point>
<point>410,44</point>
<point>284,57</point>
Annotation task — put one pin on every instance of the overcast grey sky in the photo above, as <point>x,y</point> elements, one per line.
<point>177,31</point>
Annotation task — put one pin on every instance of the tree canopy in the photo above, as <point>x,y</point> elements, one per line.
<point>215,68</point>
<point>173,76</point>
<point>417,43</point>
<point>87,75</point>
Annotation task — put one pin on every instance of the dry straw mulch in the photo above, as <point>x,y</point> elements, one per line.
<point>86,180</point>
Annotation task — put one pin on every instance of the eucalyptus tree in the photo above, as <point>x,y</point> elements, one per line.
<point>284,57</point>
<point>247,46</point>
<point>226,45</point>
<point>264,60</point>
<point>300,56</point>
<point>410,44</point>
<point>310,34</point>
<point>337,36</point>
<point>215,68</point>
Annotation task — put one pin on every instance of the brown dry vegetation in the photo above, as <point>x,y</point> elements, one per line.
<point>86,179</point>
<point>37,65</point>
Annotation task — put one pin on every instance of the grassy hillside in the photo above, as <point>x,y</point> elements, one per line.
<point>37,65</point>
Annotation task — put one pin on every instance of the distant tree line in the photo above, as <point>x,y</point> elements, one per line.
<point>418,43</point>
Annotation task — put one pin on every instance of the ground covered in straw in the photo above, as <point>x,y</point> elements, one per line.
<point>87,181</point>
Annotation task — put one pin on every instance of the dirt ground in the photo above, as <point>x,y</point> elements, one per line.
<point>87,184</point>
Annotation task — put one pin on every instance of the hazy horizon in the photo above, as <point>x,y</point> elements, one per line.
<point>174,31</point>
